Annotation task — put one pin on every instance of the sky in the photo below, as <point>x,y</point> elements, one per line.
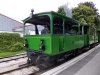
<point>20,9</point>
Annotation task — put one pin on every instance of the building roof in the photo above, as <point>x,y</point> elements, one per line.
<point>10,18</point>
<point>7,23</point>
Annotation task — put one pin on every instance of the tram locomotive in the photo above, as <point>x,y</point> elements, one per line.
<point>59,37</point>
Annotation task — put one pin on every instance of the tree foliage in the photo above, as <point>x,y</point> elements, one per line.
<point>88,12</point>
<point>65,10</point>
<point>61,10</point>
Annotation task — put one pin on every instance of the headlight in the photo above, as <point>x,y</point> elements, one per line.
<point>42,46</point>
<point>26,43</point>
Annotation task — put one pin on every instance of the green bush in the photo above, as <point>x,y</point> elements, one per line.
<point>17,47</point>
<point>11,42</point>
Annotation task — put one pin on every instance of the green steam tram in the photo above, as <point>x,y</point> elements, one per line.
<point>59,37</point>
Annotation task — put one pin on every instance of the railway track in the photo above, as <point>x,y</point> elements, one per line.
<point>16,65</point>
<point>16,57</point>
<point>17,69</point>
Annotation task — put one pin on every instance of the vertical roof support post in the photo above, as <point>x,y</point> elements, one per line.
<point>94,34</point>
<point>63,26</point>
<point>24,29</point>
<point>79,28</point>
<point>83,29</point>
<point>36,29</point>
<point>51,23</point>
<point>63,32</point>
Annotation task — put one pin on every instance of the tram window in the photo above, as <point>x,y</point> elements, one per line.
<point>70,28</point>
<point>44,26</point>
<point>39,25</point>
<point>57,25</point>
<point>44,29</point>
<point>29,30</point>
<point>81,30</point>
<point>86,29</point>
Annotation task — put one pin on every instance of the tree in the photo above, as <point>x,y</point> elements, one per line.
<point>88,12</point>
<point>61,10</point>
<point>65,10</point>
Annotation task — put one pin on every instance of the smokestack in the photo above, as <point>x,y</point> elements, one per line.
<point>31,14</point>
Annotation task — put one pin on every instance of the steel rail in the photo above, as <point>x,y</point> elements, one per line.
<point>12,58</point>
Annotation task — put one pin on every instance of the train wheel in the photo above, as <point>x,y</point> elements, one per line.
<point>28,61</point>
<point>33,59</point>
<point>43,62</point>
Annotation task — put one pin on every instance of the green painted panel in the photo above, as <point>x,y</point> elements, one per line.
<point>34,42</point>
<point>56,44</point>
<point>64,43</point>
<point>86,40</point>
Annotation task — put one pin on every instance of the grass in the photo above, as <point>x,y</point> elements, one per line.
<point>6,54</point>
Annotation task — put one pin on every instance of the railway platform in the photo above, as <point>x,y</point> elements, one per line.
<point>85,64</point>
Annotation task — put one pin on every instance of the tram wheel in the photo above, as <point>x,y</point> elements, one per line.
<point>43,62</point>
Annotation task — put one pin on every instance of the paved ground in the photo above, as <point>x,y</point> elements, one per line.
<point>90,65</point>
